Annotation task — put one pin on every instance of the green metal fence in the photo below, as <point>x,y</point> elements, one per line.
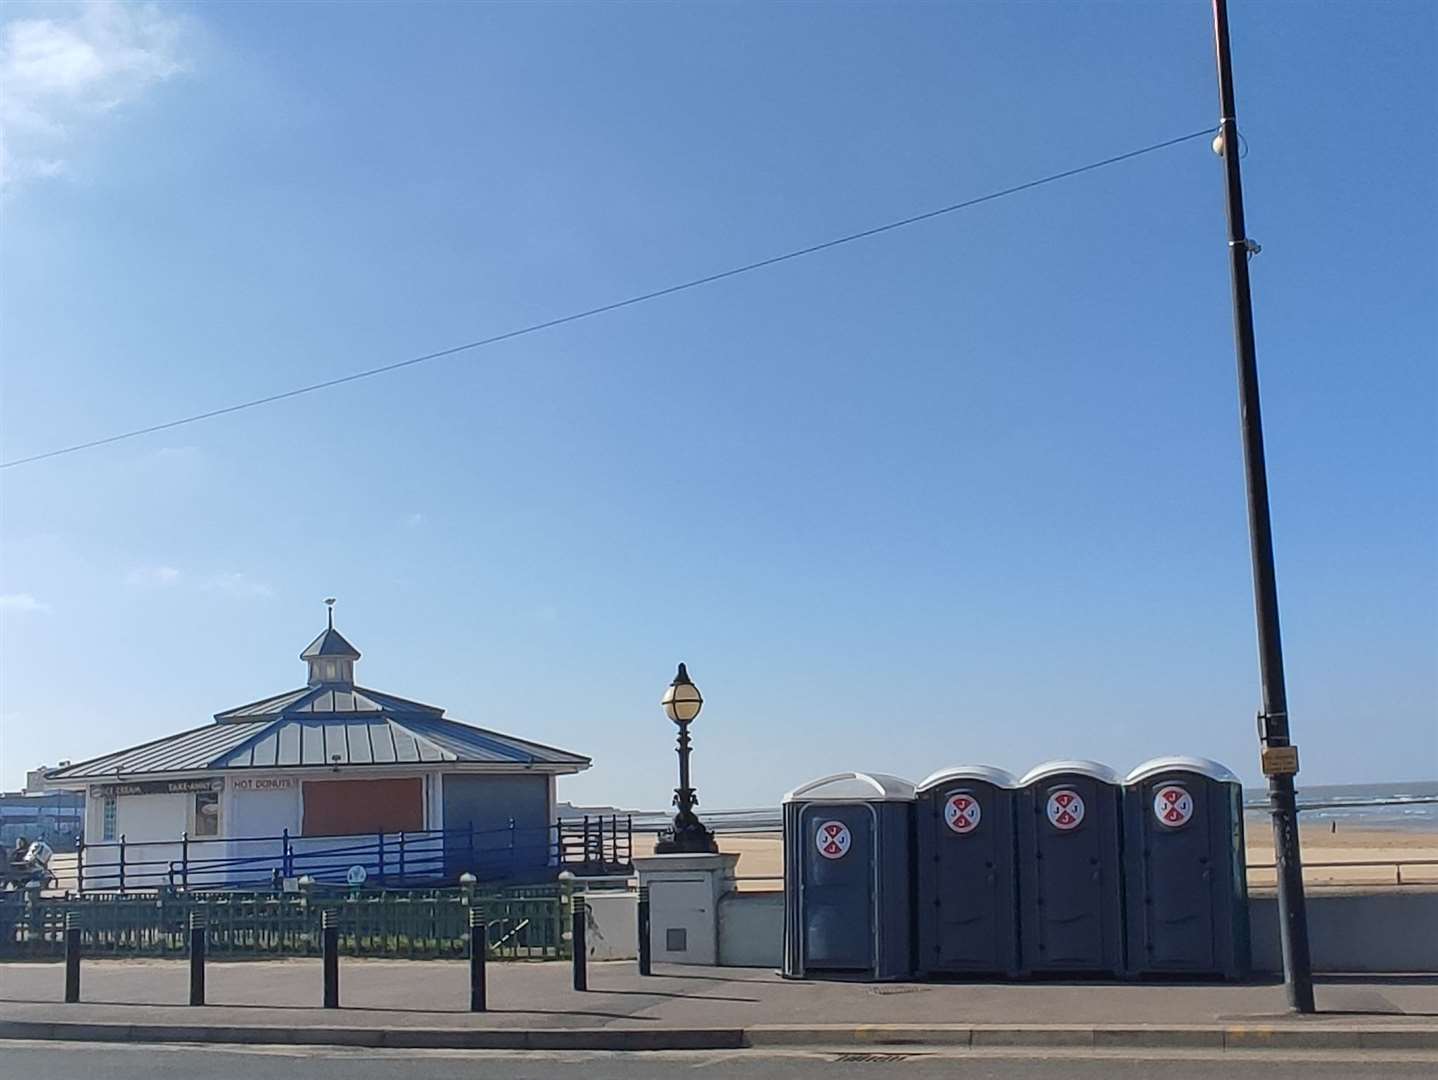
<point>523,924</point>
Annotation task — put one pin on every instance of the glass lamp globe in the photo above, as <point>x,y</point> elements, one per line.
<point>682,700</point>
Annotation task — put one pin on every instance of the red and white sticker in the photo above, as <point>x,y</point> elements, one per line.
<point>833,839</point>
<point>1172,805</point>
<point>962,813</point>
<point>1065,809</point>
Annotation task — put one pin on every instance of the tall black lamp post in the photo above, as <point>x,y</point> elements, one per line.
<point>688,836</point>
<point>1279,754</point>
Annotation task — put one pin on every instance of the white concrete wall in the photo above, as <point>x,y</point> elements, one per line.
<point>142,820</point>
<point>1353,931</point>
<point>751,929</point>
<point>612,927</point>
<point>1380,931</point>
<point>261,806</point>
<point>255,811</point>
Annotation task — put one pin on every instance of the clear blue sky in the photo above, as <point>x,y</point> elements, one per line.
<point>969,491</point>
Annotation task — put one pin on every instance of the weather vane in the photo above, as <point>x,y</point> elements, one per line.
<point>330,603</point>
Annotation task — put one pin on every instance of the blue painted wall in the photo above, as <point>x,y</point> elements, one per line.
<point>510,819</point>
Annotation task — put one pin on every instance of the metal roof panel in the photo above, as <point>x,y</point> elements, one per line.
<point>190,750</point>
<point>382,744</point>
<point>466,743</point>
<point>273,705</point>
<point>287,746</point>
<point>406,747</point>
<point>357,737</point>
<point>336,749</point>
<point>312,744</point>
<point>330,643</point>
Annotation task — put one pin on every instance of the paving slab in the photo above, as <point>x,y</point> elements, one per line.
<point>425,1003</point>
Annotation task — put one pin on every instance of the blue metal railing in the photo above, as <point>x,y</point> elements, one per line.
<point>394,859</point>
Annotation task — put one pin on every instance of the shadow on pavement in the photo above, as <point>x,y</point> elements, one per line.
<point>677,997</point>
<point>742,975</point>
<point>359,1008</point>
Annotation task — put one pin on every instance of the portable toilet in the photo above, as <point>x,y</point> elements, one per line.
<point>1186,884</point>
<point>847,895</point>
<point>1070,826</point>
<point>966,898</point>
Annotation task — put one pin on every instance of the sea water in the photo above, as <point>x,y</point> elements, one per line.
<point>1405,806</point>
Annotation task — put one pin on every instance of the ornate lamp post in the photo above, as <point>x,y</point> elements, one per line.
<point>682,702</point>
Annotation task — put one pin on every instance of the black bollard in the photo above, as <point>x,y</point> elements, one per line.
<point>72,957</point>
<point>197,958</point>
<point>478,946</point>
<point>581,946</point>
<point>330,946</point>
<point>644,943</point>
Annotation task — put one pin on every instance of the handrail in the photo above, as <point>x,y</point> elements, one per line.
<point>1396,865</point>
<point>495,853</point>
<point>770,819</point>
<point>292,837</point>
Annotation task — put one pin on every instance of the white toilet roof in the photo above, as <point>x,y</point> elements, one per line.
<point>1069,765</point>
<point>854,787</point>
<point>1182,763</point>
<point>988,773</point>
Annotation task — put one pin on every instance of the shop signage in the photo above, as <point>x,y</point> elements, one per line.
<point>264,783</point>
<point>155,787</point>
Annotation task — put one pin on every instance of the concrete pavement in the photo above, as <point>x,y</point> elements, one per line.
<point>409,1003</point>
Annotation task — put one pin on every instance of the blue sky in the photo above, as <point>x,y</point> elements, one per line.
<point>971,491</point>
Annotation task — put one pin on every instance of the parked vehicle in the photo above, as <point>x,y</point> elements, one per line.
<point>28,864</point>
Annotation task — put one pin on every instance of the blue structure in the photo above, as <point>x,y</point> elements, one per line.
<point>320,780</point>
<point>1070,825</point>
<point>966,905</point>
<point>848,877</point>
<point>56,817</point>
<point>1186,886</point>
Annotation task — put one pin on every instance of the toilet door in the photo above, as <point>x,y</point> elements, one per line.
<point>838,887</point>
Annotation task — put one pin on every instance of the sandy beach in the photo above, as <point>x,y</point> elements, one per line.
<point>761,863</point>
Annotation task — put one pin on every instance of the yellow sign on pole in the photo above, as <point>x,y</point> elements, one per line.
<point>1280,760</point>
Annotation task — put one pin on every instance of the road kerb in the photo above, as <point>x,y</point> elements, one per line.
<point>1397,1039</point>
<point>1138,1037</point>
<point>1074,1035</point>
<point>776,1035</point>
<point>1301,1036</point>
<point>1295,1036</point>
<point>634,1039</point>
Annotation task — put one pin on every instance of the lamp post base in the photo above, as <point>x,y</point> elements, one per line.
<point>687,838</point>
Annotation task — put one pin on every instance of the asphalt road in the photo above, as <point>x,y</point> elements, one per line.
<point>66,1061</point>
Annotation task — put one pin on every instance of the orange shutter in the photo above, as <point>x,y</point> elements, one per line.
<point>347,807</point>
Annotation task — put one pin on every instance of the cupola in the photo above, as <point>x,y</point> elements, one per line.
<point>331,658</point>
